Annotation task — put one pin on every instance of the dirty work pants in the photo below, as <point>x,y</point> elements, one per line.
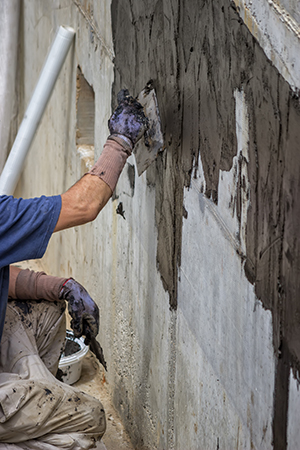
<point>38,412</point>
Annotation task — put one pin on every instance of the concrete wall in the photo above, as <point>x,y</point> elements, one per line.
<point>9,27</point>
<point>198,286</point>
<point>275,24</point>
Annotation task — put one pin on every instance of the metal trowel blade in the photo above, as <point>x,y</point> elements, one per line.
<point>147,148</point>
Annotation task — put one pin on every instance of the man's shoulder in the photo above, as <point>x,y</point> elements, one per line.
<point>26,226</point>
<point>43,202</point>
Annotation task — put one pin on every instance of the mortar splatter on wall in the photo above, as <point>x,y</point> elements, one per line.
<point>198,53</point>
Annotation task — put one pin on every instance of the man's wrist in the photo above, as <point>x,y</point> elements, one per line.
<point>111,161</point>
<point>122,140</point>
<point>63,288</point>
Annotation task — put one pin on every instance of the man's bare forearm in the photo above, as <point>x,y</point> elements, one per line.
<point>83,202</point>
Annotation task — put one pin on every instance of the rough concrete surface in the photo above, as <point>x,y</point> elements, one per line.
<point>9,26</point>
<point>292,7</point>
<point>92,381</point>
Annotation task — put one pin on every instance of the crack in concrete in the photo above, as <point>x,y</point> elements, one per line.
<point>88,18</point>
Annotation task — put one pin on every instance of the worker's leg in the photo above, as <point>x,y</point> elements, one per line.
<point>43,329</point>
<point>33,404</point>
<point>38,445</point>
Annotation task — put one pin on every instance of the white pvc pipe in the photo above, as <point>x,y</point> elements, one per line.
<point>13,167</point>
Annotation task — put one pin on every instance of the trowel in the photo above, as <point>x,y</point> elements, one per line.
<point>96,348</point>
<point>148,147</point>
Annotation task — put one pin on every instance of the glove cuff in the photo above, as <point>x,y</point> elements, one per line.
<point>111,161</point>
<point>37,285</point>
<point>62,290</point>
<point>122,140</point>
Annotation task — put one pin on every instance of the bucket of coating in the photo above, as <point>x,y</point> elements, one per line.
<point>70,362</point>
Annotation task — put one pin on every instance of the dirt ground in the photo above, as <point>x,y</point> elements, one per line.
<point>92,381</point>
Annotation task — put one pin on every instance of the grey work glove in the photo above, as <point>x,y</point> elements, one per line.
<point>128,119</point>
<point>82,308</point>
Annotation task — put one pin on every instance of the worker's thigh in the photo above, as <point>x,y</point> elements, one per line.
<point>32,328</point>
<point>77,444</point>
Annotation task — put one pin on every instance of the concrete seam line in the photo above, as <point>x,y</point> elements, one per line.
<point>223,227</point>
<point>93,26</point>
<point>285,16</point>
<point>172,379</point>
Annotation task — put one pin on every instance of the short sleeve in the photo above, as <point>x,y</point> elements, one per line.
<point>26,226</point>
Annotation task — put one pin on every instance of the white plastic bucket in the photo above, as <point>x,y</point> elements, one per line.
<point>71,365</point>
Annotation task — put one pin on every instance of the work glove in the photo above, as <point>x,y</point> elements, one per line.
<point>128,120</point>
<point>82,308</point>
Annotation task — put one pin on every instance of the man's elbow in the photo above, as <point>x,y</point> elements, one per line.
<point>83,202</point>
<point>93,212</point>
<point>89,211</point>
<point>74,214</point>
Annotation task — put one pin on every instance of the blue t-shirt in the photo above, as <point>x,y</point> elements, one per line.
<point>25,229</point>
